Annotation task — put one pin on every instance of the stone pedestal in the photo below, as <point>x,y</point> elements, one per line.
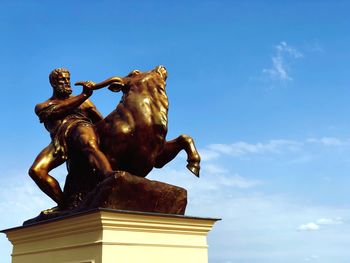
<point>106,236</point>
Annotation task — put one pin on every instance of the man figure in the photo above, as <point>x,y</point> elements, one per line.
<point>70,122</point>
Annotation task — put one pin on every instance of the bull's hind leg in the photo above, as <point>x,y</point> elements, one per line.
<point>172,148</point>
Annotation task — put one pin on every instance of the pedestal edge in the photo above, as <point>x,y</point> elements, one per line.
<point>107,210</point>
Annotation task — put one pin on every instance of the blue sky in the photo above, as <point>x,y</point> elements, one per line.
<point>262,86</point>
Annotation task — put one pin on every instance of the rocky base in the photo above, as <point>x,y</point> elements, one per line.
<point>124,191</point>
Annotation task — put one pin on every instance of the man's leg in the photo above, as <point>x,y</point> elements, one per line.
<point>85,139</point>
<point>39,172</point>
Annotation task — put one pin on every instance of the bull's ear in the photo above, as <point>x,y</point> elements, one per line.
<point>116,86</point>
<point>134,73</point>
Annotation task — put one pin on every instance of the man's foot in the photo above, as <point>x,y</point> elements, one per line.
<point>55,209</point>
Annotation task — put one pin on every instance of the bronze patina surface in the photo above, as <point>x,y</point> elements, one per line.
<point>132,138</point>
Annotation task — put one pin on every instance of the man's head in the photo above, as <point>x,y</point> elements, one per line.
<point>60,82</point>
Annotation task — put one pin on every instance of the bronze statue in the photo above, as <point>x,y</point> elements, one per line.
<point>69,120</point>
<point>129,142</point>
<point>133,135</point>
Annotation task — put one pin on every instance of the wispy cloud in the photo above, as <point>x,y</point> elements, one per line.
<point>284,48</point>
<point>213,178</point>
<point>238,181</point>
<point>330,221</point>
<point>22,199</point>
<point>315,47</point>
<point>208,155</point>
<point>329,141</point>
<point>312,226</point>
<point>243,148</point>
<point>282,58</point>
<point>302,149</point>
<point>311,258</point>
<point>214,169</point>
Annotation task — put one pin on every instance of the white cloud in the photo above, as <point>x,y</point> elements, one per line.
<point>312,258</point>
<point>315,47</point>
<point>238,181</point>
<point>213,178</point>
<point>214,169</point>
<point>283,47</point>
<point>301,150</point>
<point>330,221</point>
<point>284,54</point>
<point>232,181</point>
<point>309,227</point>
<point>278,70</point>
<point>22,199</point>
<point>208,155</point>
<point>328,141</point>
<point>303,158</point>
<point>242,148</point>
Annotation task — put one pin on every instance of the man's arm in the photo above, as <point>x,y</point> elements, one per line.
<point>94,114</point>
<point>56,109</point>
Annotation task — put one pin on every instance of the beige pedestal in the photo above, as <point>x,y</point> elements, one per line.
<point>106,236</point>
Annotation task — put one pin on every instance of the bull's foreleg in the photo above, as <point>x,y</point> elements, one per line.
<point>172,148</point>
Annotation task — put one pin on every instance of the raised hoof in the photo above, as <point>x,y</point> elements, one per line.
<point>194,168</point>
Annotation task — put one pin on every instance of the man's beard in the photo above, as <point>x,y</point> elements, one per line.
<point>63,90</point>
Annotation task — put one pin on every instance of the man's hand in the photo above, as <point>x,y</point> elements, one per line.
<point>88,86</point>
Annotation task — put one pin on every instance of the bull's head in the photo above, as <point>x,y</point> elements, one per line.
<point>134,78</point>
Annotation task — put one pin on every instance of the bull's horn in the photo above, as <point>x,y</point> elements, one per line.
<point>109,81</point>
<point>104,83</point>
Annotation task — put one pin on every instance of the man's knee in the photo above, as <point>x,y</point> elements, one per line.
<point>36,172</point>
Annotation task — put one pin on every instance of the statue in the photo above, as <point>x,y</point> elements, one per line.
<point>120,149</point>
<point>69,120</point>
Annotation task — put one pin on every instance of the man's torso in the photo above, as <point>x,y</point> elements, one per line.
<point>53,125</point>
